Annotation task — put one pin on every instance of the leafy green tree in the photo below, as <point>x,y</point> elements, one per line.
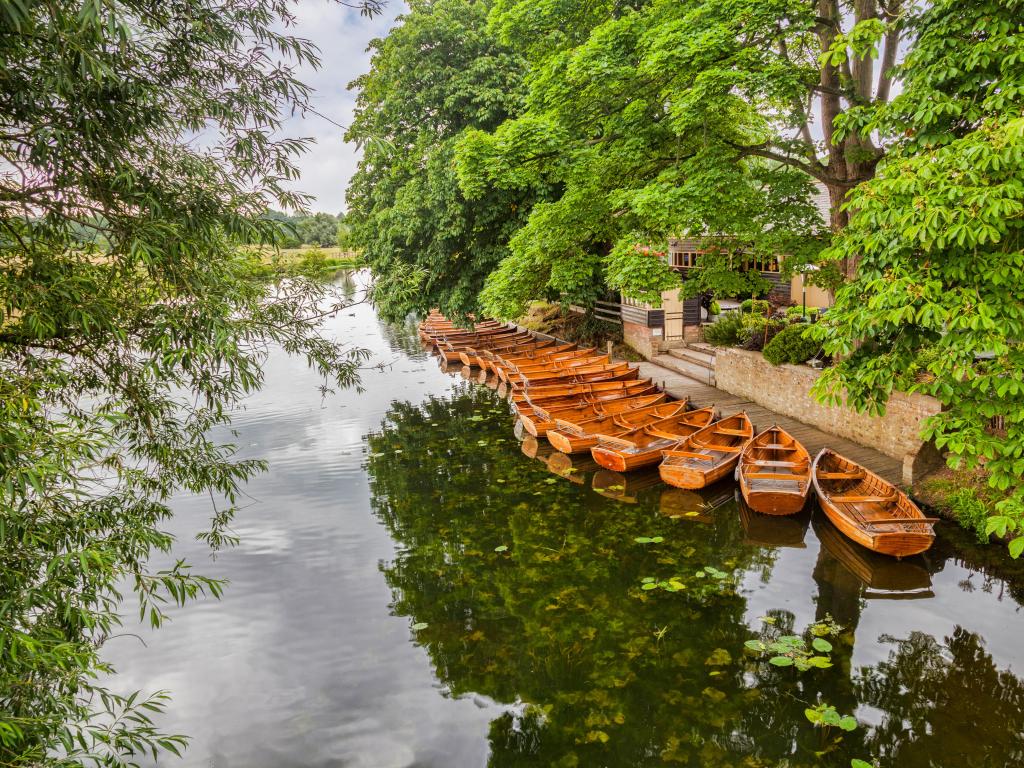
<point>652,119</point>
<point>120,353</point>
<point>939,236</point>
<point>439,73</point>
<point>319,229</point>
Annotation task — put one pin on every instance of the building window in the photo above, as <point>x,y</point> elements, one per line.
<point>684,259</point>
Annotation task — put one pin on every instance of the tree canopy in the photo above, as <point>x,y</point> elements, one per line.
<point>640,120</point>
<point>439,73</point>
<point>130,326</point>
<point>937,305</point>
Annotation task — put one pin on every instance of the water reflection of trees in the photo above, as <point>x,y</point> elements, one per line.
<point>612,675</point>
<point>944,704</point>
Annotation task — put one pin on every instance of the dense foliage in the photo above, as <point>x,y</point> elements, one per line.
<point>438,74</point>
<point>120,352</point>
<point>791,345</point>
<point>939,236</point>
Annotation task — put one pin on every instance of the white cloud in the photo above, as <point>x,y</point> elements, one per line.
<point>342,35</point>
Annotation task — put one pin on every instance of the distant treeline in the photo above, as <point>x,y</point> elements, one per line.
<point>320,229</point>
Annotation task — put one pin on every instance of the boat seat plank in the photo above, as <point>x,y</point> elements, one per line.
<point>689,455</point>
<point>770,476</point>
<point>723,448</point>
<point>776,446</point>
<point>893,520</point>
<point>737,432</point>
<point>768,463</point>
<point>855,499</point>
<point>841,475</point>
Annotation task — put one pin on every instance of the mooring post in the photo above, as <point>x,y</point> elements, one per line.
<point>610,349</point>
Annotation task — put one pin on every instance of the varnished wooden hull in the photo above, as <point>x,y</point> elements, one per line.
<point>775,473</point>
<point>869,510</point>
<point>617,371</point>
<point>579,437</point>
<point>507,368</point>
<point>695,479</point>
<point>623,458</point>
<point>538,394</point>
<point>541,420</point>
<point>683,467</point>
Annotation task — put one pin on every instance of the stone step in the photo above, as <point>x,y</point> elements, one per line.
<point>703,346</point>
<point>694,356</point>
<point>686,368</point>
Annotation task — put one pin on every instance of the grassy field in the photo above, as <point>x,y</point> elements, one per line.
<point>311,255</point>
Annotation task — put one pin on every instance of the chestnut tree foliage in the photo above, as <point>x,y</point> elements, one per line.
<point>138,150</point>
<point>939,237</point>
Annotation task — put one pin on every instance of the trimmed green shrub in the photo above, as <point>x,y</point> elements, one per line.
<point>799,311</point>
<point>756,306</point>
<point>790,345</point>
<point>715,309</point>
<point>726,332</point>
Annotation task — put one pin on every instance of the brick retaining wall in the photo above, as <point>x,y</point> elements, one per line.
<point>786,388</point>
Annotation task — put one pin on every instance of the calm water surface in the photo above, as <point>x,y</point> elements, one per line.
<point>414,504</point>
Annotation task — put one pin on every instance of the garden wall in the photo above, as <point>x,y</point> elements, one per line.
<point>786,389</point>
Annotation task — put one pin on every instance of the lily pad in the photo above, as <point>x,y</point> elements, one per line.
<point>419,625</point>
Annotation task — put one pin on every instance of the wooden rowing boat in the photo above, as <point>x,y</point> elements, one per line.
<point>775,473</point>
<point>485,356</point>
<point>463,340</point>
<point>587,373</point>
<point>507,368</point>
<point>547,369</point>
<point>622,390</point>
<point>547,366</point>
<point>575,437</point>
<point>707,455</point>
<point>473,356</point>
<point>869,510</point>
<point>542,348</point>
<point>433,334</point>
<point>565,391</point>
<point>542,419</point>
<point>452,352</point>
<point>643,447</point>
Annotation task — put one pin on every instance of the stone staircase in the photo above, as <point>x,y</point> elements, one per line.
<point>696,360</point>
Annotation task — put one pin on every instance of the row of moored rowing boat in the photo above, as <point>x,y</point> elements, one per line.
<point>580,400</point>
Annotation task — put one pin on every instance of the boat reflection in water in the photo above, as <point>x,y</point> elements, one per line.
<point>572,467</point>
<point>772,530</point>
<point>623,487</point>
<point>694,506</point>
<point>881,577</point>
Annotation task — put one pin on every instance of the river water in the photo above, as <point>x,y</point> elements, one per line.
<point>416,586</point>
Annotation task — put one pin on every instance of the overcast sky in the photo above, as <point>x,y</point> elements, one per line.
<point>342,36</point>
